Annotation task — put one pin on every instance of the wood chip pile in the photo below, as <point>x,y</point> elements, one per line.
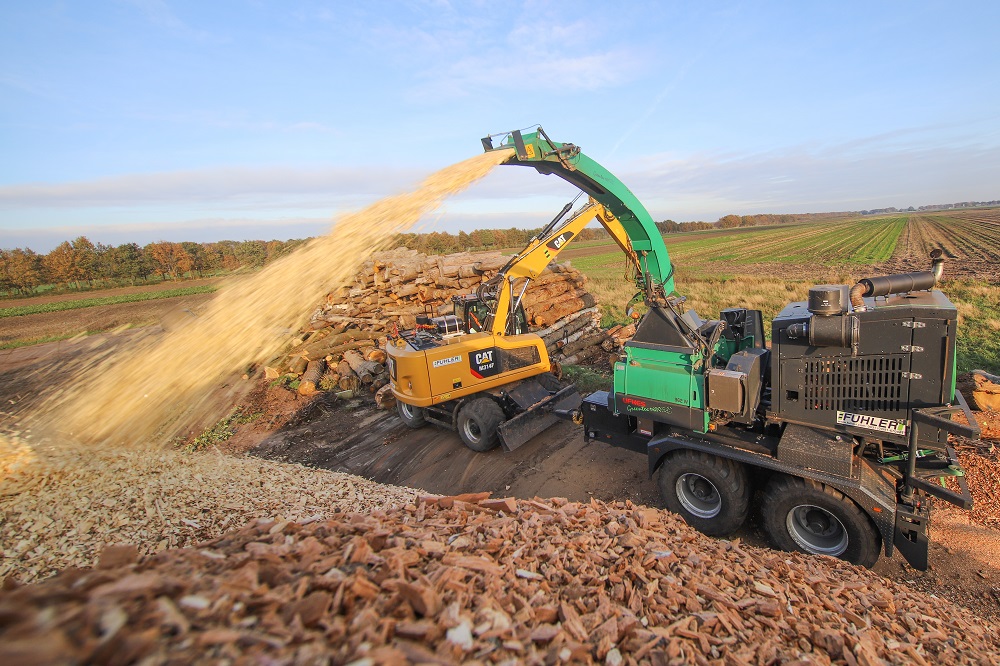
<point>59,506</point>
<point>460,582</point>
<point>983,475</point>
<point>395,287</point>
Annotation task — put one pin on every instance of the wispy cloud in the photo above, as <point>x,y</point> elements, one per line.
<point>850,176</point>
<point>196,230</point>
<point>464,55</point>
<point>160,14</point>
<point>209,185</point>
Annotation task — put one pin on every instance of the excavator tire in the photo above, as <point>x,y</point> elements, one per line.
<point>477,424</point>
<point>804,515</point>
<point>411,416</point>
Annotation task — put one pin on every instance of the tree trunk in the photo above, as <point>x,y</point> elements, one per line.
<point>312,375</point>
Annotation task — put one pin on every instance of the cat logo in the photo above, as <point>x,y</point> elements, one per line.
<point>483,364</point>
<point>560,240</point>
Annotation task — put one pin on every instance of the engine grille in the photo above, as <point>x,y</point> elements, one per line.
<point>855,384</point>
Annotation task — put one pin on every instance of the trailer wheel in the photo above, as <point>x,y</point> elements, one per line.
<point>412,416</point>
<point>804,515</point>
<point>711,493</point>
<point>477,424</point>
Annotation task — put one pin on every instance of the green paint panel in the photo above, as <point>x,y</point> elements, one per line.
<point>605,187</point>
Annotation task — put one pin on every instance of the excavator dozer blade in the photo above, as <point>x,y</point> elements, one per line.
<point>537,417</point>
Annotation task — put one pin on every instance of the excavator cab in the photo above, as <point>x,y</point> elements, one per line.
<point>475,315</point>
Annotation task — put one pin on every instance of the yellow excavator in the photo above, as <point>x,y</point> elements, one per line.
<point>479,371</point>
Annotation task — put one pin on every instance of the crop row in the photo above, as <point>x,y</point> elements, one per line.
<point>59,306</point>
<point>857,241</point>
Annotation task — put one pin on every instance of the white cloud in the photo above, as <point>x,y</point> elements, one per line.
<point>210,185</point>
<point>855,175</point>
<point>159,13</point>
<point>461,56</point>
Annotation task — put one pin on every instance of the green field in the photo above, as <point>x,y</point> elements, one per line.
<point>836,243</point>
<point>59,306</point>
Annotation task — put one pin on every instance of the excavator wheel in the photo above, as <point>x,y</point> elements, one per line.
<point>412,416</point>
<point>477,424</point>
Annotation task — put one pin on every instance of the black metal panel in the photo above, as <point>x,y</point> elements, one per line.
<point>527,393</point>
<point>819,450</point>
<point>742,323</point>
<point>658,328</point>
<point>600,423</point>
<point>910,535</point>
<point>902,359</point>
<point>750,362</point>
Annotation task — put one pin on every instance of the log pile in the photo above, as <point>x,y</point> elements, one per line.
<point>463,580</point>
<point>349,331</point>
<point>986,394</point>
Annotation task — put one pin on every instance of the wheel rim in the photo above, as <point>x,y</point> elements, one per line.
<point>472,431</point>
<point>816,530</point>
<point>699,495</point>
<point>407,409</point>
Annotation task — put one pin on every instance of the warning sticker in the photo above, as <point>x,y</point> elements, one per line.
<point>894,426</point>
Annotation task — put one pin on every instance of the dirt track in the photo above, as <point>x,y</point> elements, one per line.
<point>556,463</point>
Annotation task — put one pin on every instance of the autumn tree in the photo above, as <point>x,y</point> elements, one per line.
<point>84,259</point>
<point>128,262</point>
<point>169,259</point>
<point>59,264</point>
<point>196,251</point>
<point>6,284</point>
<point>24,269</point>
<point>250,254</point>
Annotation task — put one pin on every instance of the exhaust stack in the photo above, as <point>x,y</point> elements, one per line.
<point>900,283</point>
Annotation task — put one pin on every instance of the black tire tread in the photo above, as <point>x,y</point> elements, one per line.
<point>489,415</point>
<point>417,422</point>
<point>782,486</point>
<point>732,478</point>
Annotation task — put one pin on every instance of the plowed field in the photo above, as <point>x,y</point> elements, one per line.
<point>970,238</point>
<point>881,245</point>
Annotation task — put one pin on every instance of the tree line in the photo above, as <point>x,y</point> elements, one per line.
<point>442,242</point>
<point>734,221</point>
<point>81,262</point>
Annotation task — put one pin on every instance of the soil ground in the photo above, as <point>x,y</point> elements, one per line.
<point>101,318</point>
<point>353,437</point>
<point>102,293</point>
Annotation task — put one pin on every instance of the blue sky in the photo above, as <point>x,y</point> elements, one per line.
<point>160,119</point>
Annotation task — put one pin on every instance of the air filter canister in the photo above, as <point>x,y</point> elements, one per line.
<point>828,299</point>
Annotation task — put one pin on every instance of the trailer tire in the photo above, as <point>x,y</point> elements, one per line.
<point>711,493</point>
<point>478,421</point>
<point>807,516</point>
<point>411,415</point>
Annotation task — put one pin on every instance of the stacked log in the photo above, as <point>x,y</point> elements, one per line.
<point>986,394</point>
<point>349,330</point>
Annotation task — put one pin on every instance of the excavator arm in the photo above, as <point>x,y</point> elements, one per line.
<point>506,291</point>
<point>639,238</point>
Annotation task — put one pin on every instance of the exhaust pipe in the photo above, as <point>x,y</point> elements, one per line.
<point>900,283</point>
